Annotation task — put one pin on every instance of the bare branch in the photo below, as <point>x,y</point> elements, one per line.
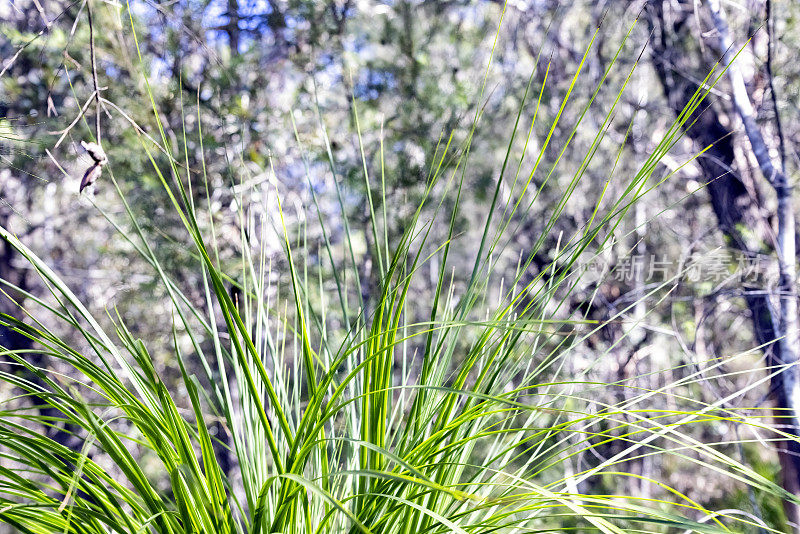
<point>66,130</point>
<point>770,81</point>
<point>94,70</point>
<point>741,99</point>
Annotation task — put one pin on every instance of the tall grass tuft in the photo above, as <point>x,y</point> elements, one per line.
<point>346,414</point>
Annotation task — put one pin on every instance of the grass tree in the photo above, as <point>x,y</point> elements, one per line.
<point>466,421</point>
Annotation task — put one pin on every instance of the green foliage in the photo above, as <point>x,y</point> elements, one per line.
<point>343,409</point>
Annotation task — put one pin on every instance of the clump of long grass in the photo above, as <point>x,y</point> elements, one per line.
<point>343,430</point>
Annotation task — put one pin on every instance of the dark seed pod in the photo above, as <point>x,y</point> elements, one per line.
<point>91,174</point>
<point>99,157</point>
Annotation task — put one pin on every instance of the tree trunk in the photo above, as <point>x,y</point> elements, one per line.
<point>14,341</point>
<point>232,28</point>
<point>738,208</point>
<point>786,385</point>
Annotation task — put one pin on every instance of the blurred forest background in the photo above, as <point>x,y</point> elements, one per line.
<point>269,91</point>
